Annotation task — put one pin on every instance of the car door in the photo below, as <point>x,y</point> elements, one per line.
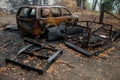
<point>56,15</point>
<point>45,17</point>
<point>66,14</point>
<point>26,21</point>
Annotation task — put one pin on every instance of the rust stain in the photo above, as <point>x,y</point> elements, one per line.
<point>55,21</point>
<point>37,30</point>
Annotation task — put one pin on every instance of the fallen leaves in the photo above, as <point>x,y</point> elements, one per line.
<point>25,61</point>
<point>3,69</point>
<point>106,53</point>
<point>2,13</point>
<point>39,66</point>
<point>21,79</point>
<point>64,62</point>
<point>31,58</point>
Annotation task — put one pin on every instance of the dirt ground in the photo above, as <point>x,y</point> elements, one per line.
<point>70,66</point>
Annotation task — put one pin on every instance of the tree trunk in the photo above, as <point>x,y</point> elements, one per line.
<point>81,4</point>
<point>35,2</point>
<point>46,2</point>
<point>84,4</point>
<point>94,4</point>
<point>100,5</point>
<point>26,2</point>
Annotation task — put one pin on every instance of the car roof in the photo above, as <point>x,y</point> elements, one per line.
<point>44,6</point>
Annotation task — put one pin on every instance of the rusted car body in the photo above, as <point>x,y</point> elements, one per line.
<point>36,19</point>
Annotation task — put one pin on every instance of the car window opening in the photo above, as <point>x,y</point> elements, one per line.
<point>45,13</point>
<point>56,12</point>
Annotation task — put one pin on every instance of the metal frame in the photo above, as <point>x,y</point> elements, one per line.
<point>85,50</point>
<point>50,60</point>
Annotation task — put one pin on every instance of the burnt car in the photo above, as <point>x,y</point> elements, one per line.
<point>35,20</point>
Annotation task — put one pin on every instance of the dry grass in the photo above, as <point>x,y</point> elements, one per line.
<point>2,13</point>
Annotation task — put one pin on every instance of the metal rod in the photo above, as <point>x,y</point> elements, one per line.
<point>91,23</point>
<point>96,23</point>
<point>89,35</point>
<point>22,50</point>
<point>40,71</point>
<point>54,56</point>
<point>87,23</point>
<point>110,35</point>
<point>97,29</point>
<point>78,49</point>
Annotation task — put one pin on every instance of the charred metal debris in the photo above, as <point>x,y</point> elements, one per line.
<point>82,39</point>
<point>35,57</point>
<point>91,39</point>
